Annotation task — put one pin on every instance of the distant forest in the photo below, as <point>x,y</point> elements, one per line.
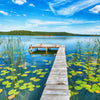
<point>30,33</point>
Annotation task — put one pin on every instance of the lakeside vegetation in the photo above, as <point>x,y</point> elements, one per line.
<point>30,33</point>
<point>20,78</point>
<point>84,71</point>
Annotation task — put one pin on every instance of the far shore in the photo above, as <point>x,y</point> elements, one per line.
<point>30,33</point>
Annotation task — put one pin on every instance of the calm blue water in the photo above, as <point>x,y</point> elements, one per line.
<point>37,60</point>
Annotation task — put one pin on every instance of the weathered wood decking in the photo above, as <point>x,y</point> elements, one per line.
<point>44,46</point>
<point>57,82</point>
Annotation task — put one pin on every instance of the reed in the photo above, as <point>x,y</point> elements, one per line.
<point>84,69</point>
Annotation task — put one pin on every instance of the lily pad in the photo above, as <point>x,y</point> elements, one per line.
<point>1,90</point>
<point>37,86</point>
<point>78,87</point>
<point>12,91</point>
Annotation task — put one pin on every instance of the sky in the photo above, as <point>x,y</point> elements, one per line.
<point>74,16</point>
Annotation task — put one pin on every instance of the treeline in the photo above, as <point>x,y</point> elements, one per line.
<point>23,32</point>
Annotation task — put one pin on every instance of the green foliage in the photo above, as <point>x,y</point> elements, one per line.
<point>84,68</point>
<point>23,32</point>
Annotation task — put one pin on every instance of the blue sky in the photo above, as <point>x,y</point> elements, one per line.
<point>74,16</point>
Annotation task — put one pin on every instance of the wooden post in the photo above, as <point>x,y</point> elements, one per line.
<point>40,44</point>
<point>55,45</point>
<point>46,50</point>
<point>31,48</point>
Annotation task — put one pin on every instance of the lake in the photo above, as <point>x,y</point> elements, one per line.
<point>23,75</point>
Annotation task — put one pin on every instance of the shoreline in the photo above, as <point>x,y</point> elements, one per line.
<point>30,33</point>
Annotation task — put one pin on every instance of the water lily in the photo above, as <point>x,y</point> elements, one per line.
<point>31,89</point>
<point>1,90</point>
<point>37,86</point>
<point>23,87</point>
<point>1,79</point>
<point>41,76</point>
<point>5,82</point>
<point>78,87</point>
<point>12,91</point>
<point>32,78</point>
<point>27,72</point>
<point>45,60</point>
<point>79,72</point>
<point>46,69</point>
<point>11,96</point>
<point>97,91</point>
<point>33,66</point>
<point>24,75</point>
<point>20,65</point>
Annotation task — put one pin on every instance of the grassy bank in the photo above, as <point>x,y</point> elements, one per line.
<point>30,33</point>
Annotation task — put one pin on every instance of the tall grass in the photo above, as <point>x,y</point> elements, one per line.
<point>84,70</point>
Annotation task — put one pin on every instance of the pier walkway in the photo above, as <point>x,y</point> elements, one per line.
<point>57,82</point>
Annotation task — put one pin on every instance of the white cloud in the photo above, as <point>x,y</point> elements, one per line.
<point>96,9</point>
<point>74,7</point>
<point>51,7</point>
<point>40,22</point>
<point>4,13</point>
<point>97,26</point>
<point>60,2</point>
<point>24,14</point>
<point>47,10</point>
<point>32,5</point>
<point>93,30</point>
<point>42,14</point>
<point>56,3</point>
<point>60,28</point>
<point>19,2</point>
<point>37,22</point>
<point>18,15</point>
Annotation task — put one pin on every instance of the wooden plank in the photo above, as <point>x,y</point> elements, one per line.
<point>57,82</point>
<point>44,46</point>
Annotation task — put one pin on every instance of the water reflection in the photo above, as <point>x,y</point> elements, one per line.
<point>84,71</point>
<point>16,63</point>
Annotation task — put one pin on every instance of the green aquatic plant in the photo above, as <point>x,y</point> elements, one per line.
<point>31,89</point>
<point>41,76</point>
<point>5,82</point>
<point>8,86</point>
<point>15,77</point>
<point>30,86</point>
<point>33,66</point>
<point>32,78</point>
<point>23,87</point>
<point>46,69</point>
<point>20,81</point>
<point>1,79</point>
<point>1,90</point>
<point>13,91</point>
<point>45,60</point>
<point>23,75</point>
<point>36,80</point>
<point>35,71</point>
<point>78,87</point>
<point>27,72</point>
<point>16,85</point>
<point>84,70</point>
<point>47,64</point>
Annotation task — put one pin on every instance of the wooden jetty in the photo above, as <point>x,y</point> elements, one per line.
<point>57,82</point>
<point>46,46</point>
